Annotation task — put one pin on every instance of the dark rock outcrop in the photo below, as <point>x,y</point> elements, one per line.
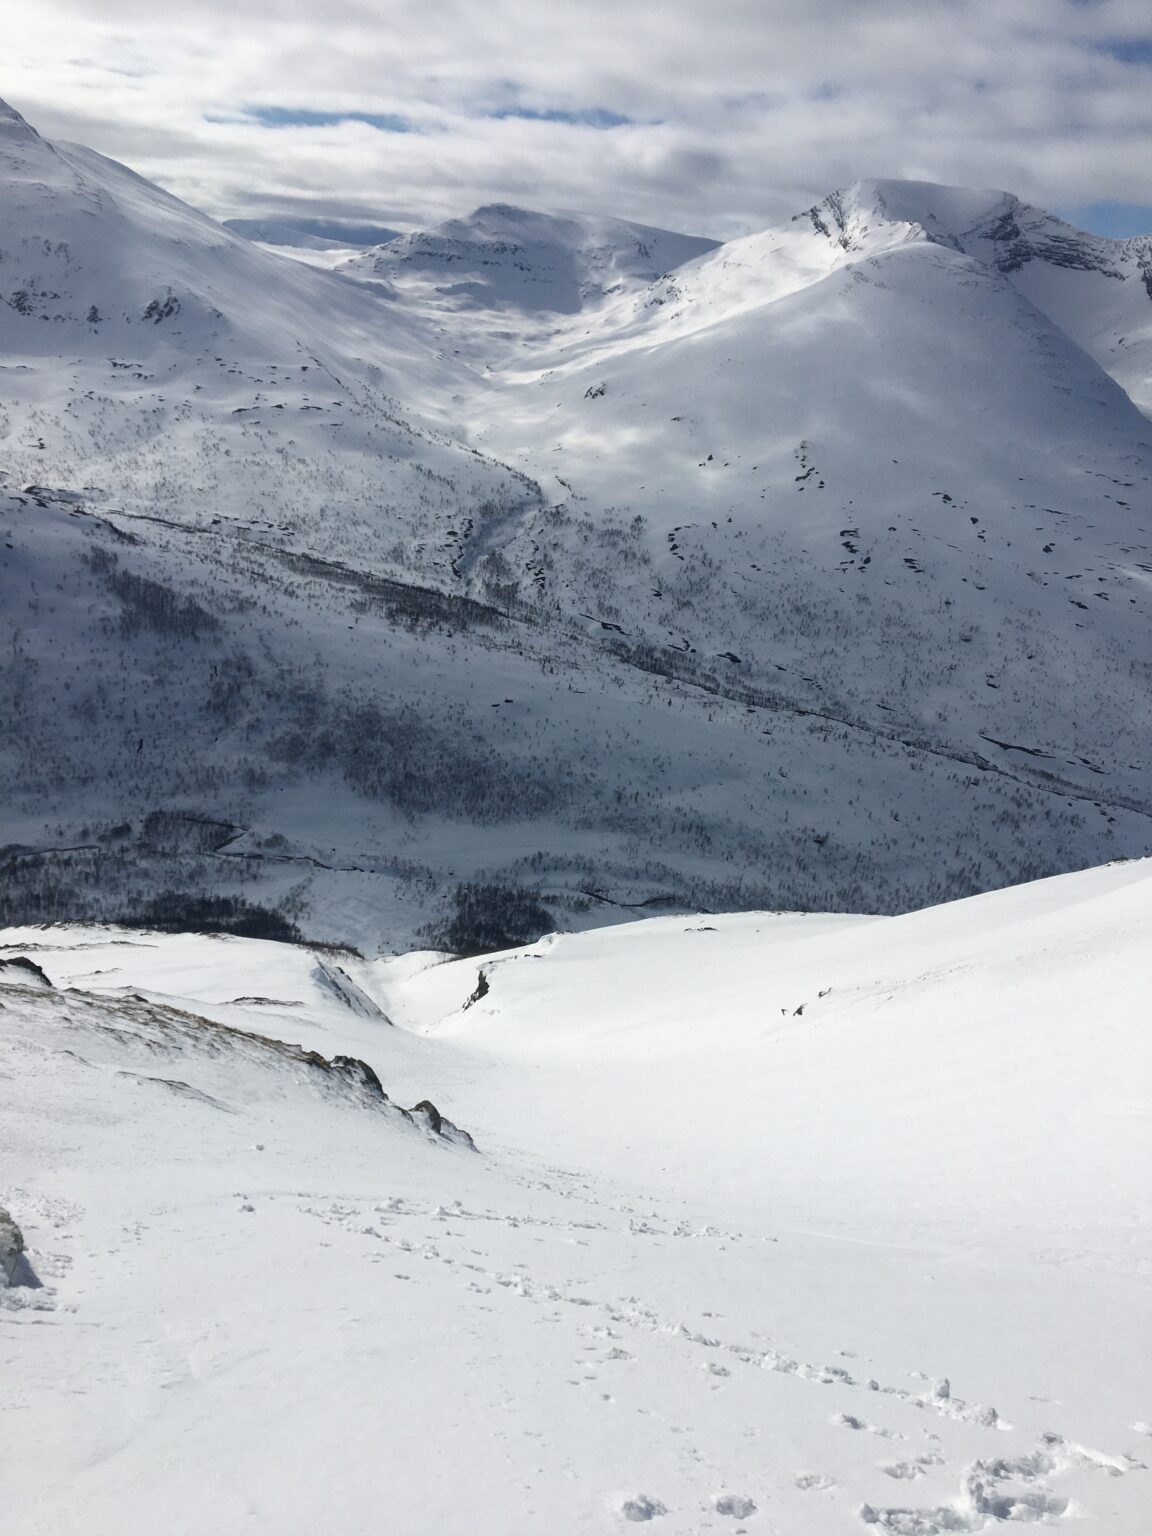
<point>11,1249</point>
<point>22,972</point>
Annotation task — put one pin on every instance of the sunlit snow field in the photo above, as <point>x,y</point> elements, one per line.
<point>775,1223</point>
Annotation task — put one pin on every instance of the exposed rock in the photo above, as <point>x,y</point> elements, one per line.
<point>11,1248</point>
<point>19,971</point>
<point>361,1074</point>
<point>480,990</point>
<point>431,1114</point>
<point>439,1124</point>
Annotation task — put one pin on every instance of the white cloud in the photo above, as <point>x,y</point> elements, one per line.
<point>742,111</point>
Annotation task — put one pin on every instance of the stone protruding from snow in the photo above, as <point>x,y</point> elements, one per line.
<point>426,1113</point>
<point>642,1508</point>
<point>11,1248</point>
<point>19,971</point>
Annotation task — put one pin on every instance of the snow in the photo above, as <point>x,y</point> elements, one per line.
<point>716,1264</point>
<point>1094,288</point>
<point>515,259</point>
<point>562,553</point>
<point>836,536</point>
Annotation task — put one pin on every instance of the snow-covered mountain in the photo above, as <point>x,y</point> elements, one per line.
<point>512,258</point>
<point>823,445</point>
<point>810,572</point>
<point>1097,289</point>
<point>169,365</point>
<point>773,1222</point>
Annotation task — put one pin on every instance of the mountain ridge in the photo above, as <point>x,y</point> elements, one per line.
<point>795,576</point>
<point>1048,260</point>
<point>504,257</point>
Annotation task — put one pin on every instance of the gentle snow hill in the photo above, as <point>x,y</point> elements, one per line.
<point>785,1041</point>
<point>719,1264</point>
<point>325,243</point>
<point>508,258</point>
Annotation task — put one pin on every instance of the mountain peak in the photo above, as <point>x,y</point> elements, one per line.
<point>942,213</point>
<point>931,203</point>
<point>504,211</point>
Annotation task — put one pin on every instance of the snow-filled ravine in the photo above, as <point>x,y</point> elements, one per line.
<point>772,1224</point>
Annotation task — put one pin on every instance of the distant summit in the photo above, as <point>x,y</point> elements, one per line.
<point>503,257</point>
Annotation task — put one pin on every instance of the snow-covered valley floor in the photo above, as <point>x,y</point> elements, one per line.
<point>776,1224</point>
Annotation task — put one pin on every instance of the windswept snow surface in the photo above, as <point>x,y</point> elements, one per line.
<point>777,1223</point>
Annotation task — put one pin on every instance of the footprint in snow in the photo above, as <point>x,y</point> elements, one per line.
<point>641,1508</point>
<point>903,1470</point>
<point>737,1505</point>
<point>1000,1488</point>
<point>850,1421</point>
<point>809,1482</point>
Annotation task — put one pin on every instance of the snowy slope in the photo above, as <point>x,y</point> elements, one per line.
<point>158,362</point>
<point>811,574</point>
<point>718,1264</point>
<point>817,448</point>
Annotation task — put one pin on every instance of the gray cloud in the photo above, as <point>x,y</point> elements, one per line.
<point>736,114</point>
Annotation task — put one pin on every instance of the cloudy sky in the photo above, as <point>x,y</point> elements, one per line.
<point>713,116</point>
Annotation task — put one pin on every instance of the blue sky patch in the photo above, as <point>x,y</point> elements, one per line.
<point>306,117</point>
<point>1119,220</point>
<point>583,117</point>
<point>1128,50</point>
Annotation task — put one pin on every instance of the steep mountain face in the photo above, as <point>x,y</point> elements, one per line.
<point>1097,290</point>
<point>872,477</point>
<point>814,572</point>
<point>161,363</point>
<point>511,258</point>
